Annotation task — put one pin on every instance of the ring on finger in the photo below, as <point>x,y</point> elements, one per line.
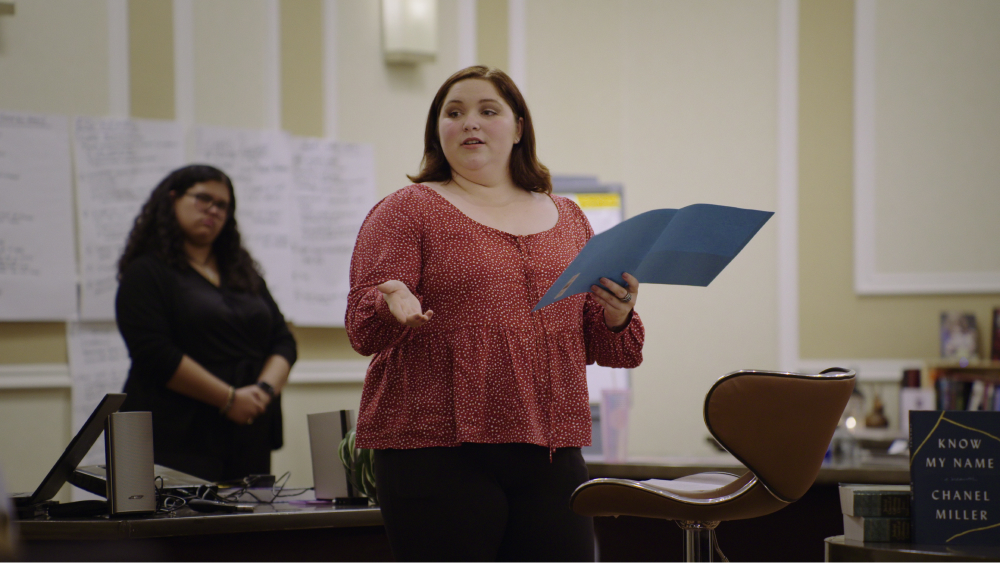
<point>627,298</point>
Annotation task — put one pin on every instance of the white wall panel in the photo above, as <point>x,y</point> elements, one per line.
<point>927,137</point>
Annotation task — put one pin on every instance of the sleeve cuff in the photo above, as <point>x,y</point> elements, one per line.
<point>170,362</point>
<point>381,307</point>
<point>288,351</point>
<point>619,329</point>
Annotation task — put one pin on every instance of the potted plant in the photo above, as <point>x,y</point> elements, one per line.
<point>360,465</point>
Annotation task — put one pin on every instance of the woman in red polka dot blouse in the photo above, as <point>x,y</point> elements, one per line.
<point>476,407</point>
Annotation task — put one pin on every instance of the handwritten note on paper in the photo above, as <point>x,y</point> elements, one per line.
<point>37,263</point>
<point>334,190</point>
<point>98,364</point>
<point>118,163</point>
<point>260,165</point>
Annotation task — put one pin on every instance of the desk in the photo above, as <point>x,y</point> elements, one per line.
<point>840,549</point>
<point>276,532</point>
<point>794,533</point>
<point>295,532</point>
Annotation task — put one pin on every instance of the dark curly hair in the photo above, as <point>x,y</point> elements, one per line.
<point>525,169</point>
<point>156,231</point>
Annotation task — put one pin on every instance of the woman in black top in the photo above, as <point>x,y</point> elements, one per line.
<point>210,349</point>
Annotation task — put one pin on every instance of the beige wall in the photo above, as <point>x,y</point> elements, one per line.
<point>151,58</point>
<point>835,322</point>
<point>386,105</point>
<point>302,67</point>
<point>492,33</point>
<point>677,100</point>
<point>576,58</point>
<point>229,63</point>
<point>937,115</point>
<point>53,59</point>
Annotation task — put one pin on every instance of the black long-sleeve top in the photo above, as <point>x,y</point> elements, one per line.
<point>164,313</point>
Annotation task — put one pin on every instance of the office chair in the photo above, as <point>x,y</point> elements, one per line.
<point>779,425</point>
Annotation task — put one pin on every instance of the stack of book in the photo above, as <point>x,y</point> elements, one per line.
<point>876,513</point>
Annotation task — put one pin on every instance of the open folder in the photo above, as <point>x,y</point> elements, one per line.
<point>687,246</point>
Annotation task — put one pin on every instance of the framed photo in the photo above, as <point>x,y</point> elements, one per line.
<point>959,336</point>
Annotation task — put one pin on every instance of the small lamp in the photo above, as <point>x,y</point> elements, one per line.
<point>409,30</point>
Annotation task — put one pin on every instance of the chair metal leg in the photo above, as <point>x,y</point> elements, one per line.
<point>698,544</point>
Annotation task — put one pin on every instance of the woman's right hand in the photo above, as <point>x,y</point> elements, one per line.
<point>403,304</point>
<point>248,403</point>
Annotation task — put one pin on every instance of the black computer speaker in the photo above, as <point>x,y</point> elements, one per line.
<point>128,451</point>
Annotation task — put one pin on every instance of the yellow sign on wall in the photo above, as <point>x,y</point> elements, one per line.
<point>599,201</point>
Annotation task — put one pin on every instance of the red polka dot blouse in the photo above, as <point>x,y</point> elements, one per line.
<point>484,369</point>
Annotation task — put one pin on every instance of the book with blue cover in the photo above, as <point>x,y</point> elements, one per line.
<point>687,246</point>
<point>955,477</point>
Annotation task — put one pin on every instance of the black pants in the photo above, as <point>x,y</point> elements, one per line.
<point>483,502</point>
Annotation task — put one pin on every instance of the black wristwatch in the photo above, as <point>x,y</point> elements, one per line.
<point>267,389</point>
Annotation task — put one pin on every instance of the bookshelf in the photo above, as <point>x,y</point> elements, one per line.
<point>965,385</point>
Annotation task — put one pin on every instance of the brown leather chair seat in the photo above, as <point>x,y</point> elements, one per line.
<point>779,425</point>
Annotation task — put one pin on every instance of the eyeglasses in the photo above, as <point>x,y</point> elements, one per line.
<point>204,201</point>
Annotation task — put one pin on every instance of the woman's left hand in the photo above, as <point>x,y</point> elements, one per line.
<point>619,302</point>
<point>249,402</point>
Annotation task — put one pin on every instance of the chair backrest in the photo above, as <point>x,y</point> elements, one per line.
<point>779,424</point>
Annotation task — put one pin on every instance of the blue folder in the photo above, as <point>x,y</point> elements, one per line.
<point>687,246</point>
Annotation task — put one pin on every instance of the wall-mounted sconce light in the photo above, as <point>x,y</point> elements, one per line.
<point>409,30</point>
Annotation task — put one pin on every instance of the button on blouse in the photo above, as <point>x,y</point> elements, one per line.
<point>484,369</point>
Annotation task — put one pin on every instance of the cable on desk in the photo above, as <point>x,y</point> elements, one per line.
<point>278,490</point>
<point>166,503</point>
<point>171,501</point>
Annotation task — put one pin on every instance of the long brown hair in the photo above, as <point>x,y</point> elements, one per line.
<point>156,230</point>
<point>525,170</point>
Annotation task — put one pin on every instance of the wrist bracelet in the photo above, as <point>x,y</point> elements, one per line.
<point>229,401</point>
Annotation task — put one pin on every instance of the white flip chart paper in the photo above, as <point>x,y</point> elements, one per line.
<point>98,364</point>
<point>334,190</point>
<point>118,163</point>
<point>37,263</point>
<point>260,166</point>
